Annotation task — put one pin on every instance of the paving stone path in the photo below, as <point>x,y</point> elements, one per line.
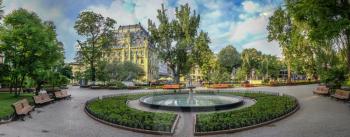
<point>318,116</point>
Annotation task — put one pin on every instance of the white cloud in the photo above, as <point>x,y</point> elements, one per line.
<point>271,48</point>
<point>143,10</point>
<point>243,29</point>
<point>250,6</point>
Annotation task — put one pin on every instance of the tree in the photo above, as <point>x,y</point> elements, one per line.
<point>29,45</point>
<point>280,29</point>
<point>202,54</point>
<point>174,40</point>
<point>99,33</point>
<point>328,20</point>
<point>251,60</point>
<point>229,58</point>
<point>123,71</point>
<point>270,66</point>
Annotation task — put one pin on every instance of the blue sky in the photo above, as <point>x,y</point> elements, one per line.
<point>241,23</point>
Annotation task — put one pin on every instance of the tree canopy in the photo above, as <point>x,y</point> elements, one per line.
<point>30,46</point>
<point>98,32</point>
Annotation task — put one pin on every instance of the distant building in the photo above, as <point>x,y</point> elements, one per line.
<point>131,43</point>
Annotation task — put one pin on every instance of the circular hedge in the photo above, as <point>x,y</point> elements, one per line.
<point>115,110</point>
<point>268,107</point>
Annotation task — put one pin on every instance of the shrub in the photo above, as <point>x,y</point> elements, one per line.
<point>115,110</point>
<point>268,107</point>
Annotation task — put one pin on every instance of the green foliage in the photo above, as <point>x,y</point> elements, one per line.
<point>115,110</point>
<point>251,59</point>
<point>202,54</point>
<point>267,107</point>
<point>229,58</point>
<point>220,76</point>
<point>30,46</point>
<point>123,71</point>
<point>117,85</point>
<point>334,77</point>
<point>176,40</point>
<point>99,33</point>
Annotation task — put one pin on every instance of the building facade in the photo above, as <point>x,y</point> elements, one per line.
<point>131,43</point>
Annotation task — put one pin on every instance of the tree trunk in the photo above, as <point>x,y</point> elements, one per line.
<point>93,72</point>
<point>289,78</point>
<point>21,84</point>
<point>175,75</point>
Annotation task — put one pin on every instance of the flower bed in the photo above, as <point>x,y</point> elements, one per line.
<point>268,107</point>
<point>115,110</point>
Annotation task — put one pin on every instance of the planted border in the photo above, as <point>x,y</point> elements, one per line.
<point>114,111</point>
<point>270,107</point>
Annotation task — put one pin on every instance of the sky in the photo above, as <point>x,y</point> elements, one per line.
<point>241,23</point>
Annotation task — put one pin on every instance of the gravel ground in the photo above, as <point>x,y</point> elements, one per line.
<point>318,116</point>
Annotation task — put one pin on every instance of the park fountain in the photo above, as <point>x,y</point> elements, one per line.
<point>191,101</point>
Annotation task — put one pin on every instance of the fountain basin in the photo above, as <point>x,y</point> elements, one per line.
<point>191,102</point>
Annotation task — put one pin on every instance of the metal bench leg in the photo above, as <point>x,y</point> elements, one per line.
<point>30,115</point>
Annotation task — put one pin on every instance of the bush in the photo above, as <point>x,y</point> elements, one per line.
<point>117,85</point>
<point>115,110</point>
<point>268,107</point>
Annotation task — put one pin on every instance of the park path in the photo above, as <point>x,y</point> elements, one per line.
<point>318,116</point>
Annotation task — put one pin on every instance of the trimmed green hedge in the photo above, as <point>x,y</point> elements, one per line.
<point>115,110</point>
<point>267,107</point>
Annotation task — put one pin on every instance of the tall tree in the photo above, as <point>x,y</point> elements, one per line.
<point>29,46</point>
<point>280,29</point>
<point>202,54</point>
<point>99,33</point>
<point>229,58</point>
<point>251,59</point>
<point>175,39</point>
<point>328,20</point>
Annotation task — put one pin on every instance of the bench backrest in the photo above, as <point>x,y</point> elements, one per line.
<point>58,94</point>
<point>342,93</point>
<point>45,96</point>
<point>41,97</point>
<point>19,105</point>
<point>173,86</point>
<point>221,85</point>
<point>322,88</point>
<point>64,93</point>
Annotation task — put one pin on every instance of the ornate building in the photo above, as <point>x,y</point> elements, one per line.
<point>132,44</point>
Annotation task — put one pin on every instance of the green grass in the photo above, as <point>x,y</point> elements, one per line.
<point>115,110</point>
<point>267,107</point>
<point>7,99</point>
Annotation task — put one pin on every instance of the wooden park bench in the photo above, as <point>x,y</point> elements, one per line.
<point>22,108</point>
<point>341,94</point>
<point>61,94</point>
<point>221,86</point>
<point>42,99</point>
<point>321,90</point>
<point>172,86</point>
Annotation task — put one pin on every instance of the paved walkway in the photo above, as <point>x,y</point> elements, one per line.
<point>318,117</point>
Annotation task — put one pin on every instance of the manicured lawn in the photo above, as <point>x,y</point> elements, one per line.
<point>7,99</point>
